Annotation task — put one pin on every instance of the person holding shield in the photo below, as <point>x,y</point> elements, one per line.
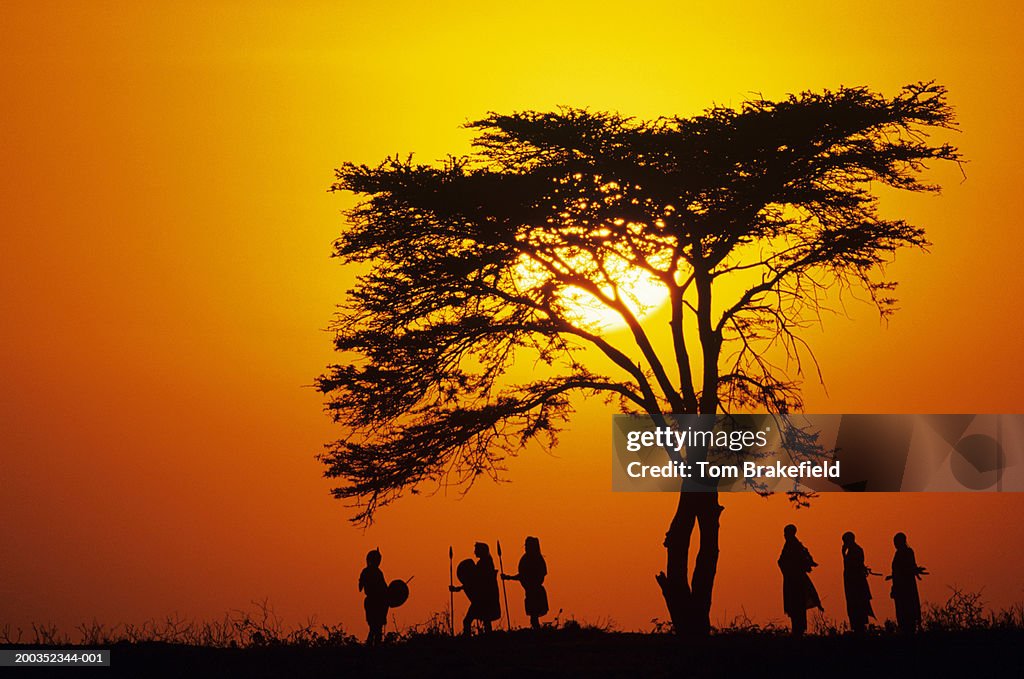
<point>480,584</point>
<point>375,587</point>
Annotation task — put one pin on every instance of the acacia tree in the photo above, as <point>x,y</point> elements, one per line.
<point>746,217</point>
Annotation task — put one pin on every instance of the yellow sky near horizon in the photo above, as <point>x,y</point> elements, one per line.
<point>165,278</point>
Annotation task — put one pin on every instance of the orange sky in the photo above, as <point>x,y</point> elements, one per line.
<point>164,283</point>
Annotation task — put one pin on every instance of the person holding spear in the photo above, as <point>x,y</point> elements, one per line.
<point>532,571</point>
<point>451,591</point>
<point>504,592</point>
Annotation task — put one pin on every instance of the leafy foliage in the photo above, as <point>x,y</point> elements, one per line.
<point>746,217</point>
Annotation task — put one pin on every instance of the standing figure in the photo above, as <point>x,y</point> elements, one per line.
<point>905,574</point>
<point>373,584</point>
<point>532,570</point>
<point>480,583</point>
<point>798,593</point>
<point>855,583</point>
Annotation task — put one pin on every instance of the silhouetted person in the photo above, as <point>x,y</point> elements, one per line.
<point>532,571</point>
<point>481,586</point>
<point>798,593</point>
<point>855,584</point>
<point>905,574</point>
<point>373,584</point>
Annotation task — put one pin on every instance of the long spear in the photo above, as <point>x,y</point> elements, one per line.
<point>451,594</point>
<point>508,620</point>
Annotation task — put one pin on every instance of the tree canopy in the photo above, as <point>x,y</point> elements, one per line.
<point>746,217</point>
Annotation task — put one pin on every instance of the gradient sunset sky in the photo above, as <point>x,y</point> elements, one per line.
<point>165,283</point>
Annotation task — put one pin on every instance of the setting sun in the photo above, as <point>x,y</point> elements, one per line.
<point>640,292</point>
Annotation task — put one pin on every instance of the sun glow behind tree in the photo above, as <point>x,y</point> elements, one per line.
<point>641,292</point>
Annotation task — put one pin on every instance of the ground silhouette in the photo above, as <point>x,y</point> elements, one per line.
<point>586,652</point>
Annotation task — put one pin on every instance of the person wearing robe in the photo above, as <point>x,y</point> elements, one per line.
<point>905,574</point>
<point>855,584</point>
<point>482,590</point>
<point>798,593</point>
<point>532,571</point>
<point>375,587</point>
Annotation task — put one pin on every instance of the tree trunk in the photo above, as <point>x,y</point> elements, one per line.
<point>689,601</point>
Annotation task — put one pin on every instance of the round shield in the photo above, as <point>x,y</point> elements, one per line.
<point>466,573</point>
<point>398,592</point>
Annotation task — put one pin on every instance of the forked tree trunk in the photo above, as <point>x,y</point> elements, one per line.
<point>689,601</point>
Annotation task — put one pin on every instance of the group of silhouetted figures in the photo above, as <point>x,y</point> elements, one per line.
<point>799,595</point>
<point>478,580</point>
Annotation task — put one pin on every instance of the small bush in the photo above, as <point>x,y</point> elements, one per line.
<point>741,623</point>
<point>962,611</point>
